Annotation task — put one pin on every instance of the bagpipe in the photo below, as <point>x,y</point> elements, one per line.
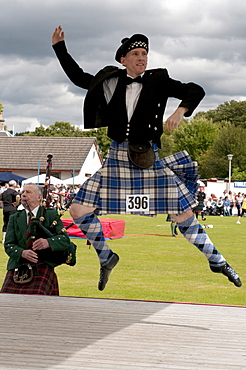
<point>38,230</point>
<point>25,272</point>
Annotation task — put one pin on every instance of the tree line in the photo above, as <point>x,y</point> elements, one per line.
<point>208,137</point>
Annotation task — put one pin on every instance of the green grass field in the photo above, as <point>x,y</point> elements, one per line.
<point>155,266</point>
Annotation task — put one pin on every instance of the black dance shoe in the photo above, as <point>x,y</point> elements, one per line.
<point>106,270</point>
<point>228,271</point>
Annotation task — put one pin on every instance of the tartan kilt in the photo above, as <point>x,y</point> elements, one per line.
<point>171,184</point>
<point>199,207</point>
<point>44,282</point>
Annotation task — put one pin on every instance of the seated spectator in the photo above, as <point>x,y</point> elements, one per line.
<point>214,206</point>
<point>209,207</point>
<point>220,207</point>
<point>213,197</point>
<point>227,206</point>
<point>224,194</point>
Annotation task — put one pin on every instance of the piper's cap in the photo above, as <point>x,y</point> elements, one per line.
<point>128,44</point>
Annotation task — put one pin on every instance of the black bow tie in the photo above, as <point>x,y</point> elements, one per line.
<point>130,80</point>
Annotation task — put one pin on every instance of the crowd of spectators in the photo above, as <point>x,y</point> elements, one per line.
<point>60,194</point>
<point>227,204</point>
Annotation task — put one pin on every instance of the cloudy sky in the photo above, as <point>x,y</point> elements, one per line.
<point>200,41</point>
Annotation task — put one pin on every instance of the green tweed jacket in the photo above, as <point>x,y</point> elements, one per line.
<point>15,241</point>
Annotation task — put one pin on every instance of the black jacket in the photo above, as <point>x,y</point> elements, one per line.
<point>147,121</point>
<point>8,197</point>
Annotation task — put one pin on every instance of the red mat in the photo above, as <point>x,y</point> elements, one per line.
<point>112,228</point>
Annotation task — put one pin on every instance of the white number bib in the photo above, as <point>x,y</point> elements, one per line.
<point>137,203</point>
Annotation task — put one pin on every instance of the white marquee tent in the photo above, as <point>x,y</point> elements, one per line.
<point>41,180</point>
<point>77,180</point>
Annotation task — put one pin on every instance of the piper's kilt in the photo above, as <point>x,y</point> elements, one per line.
<point>171,184</point>
<point>44,282</point>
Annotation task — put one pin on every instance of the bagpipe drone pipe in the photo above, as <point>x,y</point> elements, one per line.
<point>38,230</point>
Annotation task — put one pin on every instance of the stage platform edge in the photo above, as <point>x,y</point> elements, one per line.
<point>43,332</point>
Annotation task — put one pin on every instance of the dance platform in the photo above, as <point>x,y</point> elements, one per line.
<point>112,228</point>
<point>66,333</point>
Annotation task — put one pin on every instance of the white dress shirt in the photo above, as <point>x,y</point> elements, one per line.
<point>132,93</point>
<point>34,212</point>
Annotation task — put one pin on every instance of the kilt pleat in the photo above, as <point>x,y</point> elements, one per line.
<point>171,184</point>
<point>44,282</point>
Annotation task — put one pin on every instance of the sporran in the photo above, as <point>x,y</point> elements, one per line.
<point>23,274</point>
<point>141,155</point>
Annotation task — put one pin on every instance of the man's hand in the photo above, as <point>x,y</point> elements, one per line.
<point>30,255</point>
<point>174,120</point>
<point>40,244</point>
<point>58,35</point>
